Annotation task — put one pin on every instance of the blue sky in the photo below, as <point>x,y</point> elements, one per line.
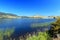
<point>31,7</point>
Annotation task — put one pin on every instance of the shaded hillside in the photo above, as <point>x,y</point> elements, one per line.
<point>2,13</point>
<point>7,15</point>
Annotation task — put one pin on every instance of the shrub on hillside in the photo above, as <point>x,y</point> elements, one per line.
<point>55,28</point>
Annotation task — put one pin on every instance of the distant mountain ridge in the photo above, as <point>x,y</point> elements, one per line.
<point>2,13</point>
<point>8,15</point>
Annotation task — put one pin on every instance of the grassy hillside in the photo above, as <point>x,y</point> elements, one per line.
<point>7,15</point>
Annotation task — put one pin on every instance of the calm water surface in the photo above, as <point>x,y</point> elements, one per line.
<point>21,26</point>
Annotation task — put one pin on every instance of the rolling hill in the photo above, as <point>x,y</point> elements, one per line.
<point>7,15</point>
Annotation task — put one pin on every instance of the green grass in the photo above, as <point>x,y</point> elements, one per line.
<point>46,24</point>
<point>7,33</point>
<point>40,36</point>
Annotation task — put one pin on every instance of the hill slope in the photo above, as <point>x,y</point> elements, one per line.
<point>7,15</point>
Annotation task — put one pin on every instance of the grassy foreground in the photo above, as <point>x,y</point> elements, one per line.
<point>40,36</point>
<point>51,34</point>
<point>4,35</point>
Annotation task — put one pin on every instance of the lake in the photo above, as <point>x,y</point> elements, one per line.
<point>22,26</point>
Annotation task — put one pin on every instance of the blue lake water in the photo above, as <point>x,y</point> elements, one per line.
<point>21,26</point>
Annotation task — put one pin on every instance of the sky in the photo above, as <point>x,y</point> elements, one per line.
<point>31,7</point>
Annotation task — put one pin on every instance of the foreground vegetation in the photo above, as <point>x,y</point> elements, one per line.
<point>5,34</point>
<point>51,33</point>
<point>40,36</point>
